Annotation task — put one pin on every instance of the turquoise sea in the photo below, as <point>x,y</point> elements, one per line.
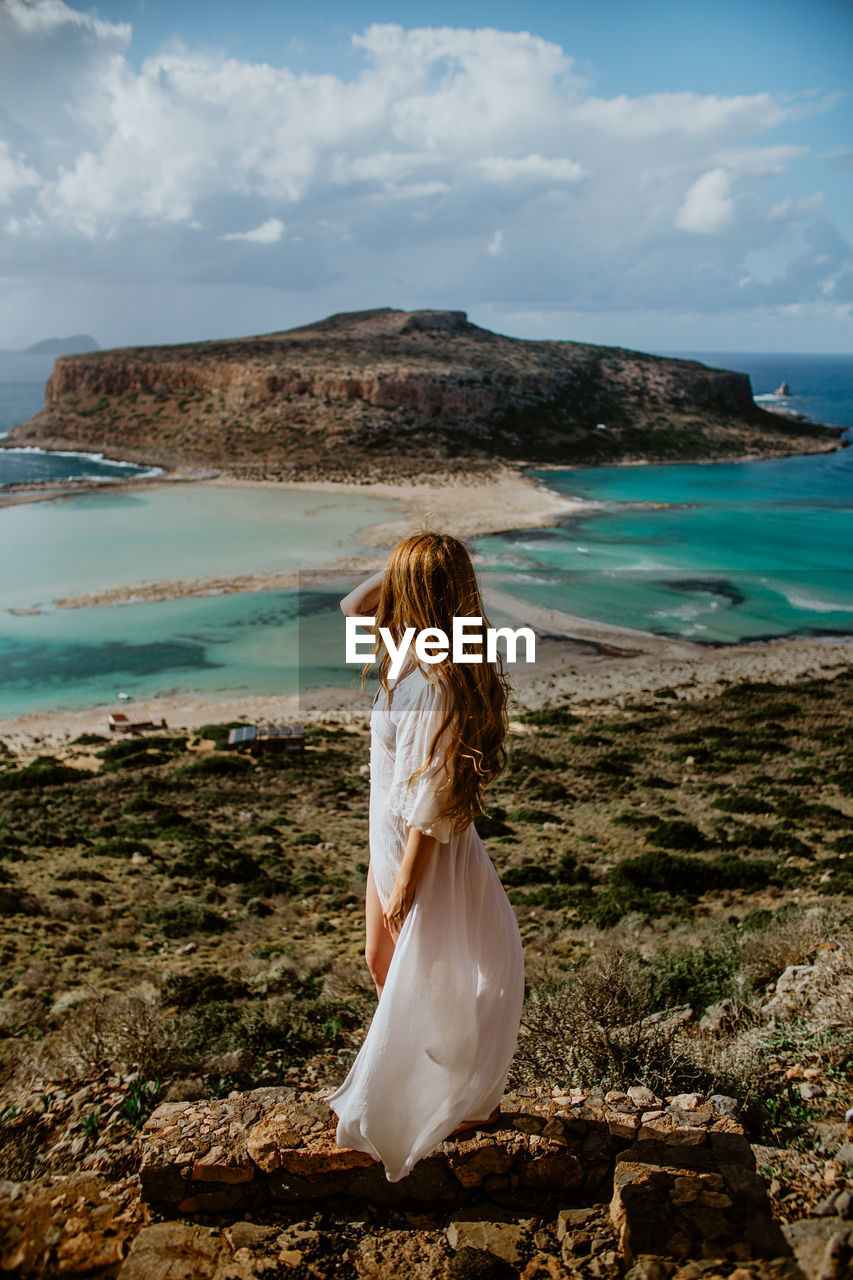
<point>716,553</point>
<point>712,552</point>
<point>22,381</point>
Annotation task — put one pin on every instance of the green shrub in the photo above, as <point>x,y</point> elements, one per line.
<point>667,873</point>
<point>676,833</point>
<point>552,716</point>
<point>139,1101</point>
<point>218,864</point>
<point>527,873</point>
<point>617,763</point>
<point>738,802</point>
<point>187,915</point>
<point>528,814</point>
<point>135,746</point>
<point>44,771</point>
<point>117,847</point>
<point>218,733</point>
<point>491,822</point>
<point>698,976</point>
<point>188,988</point>
<point>216,766</point>
<point>551,791</point>
<point>569,871</point>
<point>552,897</point>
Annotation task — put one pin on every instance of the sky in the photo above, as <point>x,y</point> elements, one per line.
<point>660,176</point>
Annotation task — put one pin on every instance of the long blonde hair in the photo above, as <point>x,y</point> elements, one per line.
<point>429,580</point>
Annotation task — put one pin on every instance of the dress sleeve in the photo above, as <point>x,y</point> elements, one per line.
<point>421,805</point>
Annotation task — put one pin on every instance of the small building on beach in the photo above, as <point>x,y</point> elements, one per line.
<point>257,739</point>
<point>121,722</point>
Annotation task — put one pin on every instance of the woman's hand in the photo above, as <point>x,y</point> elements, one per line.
<point>362,601</point>
<point>419,849</point>
<point>397,907</point>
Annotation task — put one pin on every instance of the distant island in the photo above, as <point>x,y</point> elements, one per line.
<point>77,343</point>
<point>389,393</point>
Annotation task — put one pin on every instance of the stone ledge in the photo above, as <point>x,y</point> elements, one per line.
<point>680,1175</point>
<point>270,1145</point>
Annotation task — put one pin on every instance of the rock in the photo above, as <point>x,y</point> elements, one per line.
<point>235,1062</point>
<point>552,1169</point>
<point>642,1097</point>
<point>723,1105</point>
<point>718,1017</point>
<point>249,1235</point>
<point>178,1250</point>
<point>691,1212</point>
<point>782,390</point>
<point>686,1101</point>
<point>500,1238</point>
<point>418,1255</point>
<point>188,1090</point>
<point>543,1267</point>
<point>474,1161</point>
<point>573,1220</point>
<point>219,1165</point>
<point>529,1123</point>
<point>823,1247</point>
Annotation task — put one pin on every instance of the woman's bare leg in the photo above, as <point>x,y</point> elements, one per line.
<point>468,1125</point>
<point>379,945</point>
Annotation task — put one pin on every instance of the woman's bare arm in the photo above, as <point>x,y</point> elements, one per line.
<point>362,601</point>
<point>419,850</point>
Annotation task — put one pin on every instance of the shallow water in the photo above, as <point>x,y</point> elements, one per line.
<point>723,552</point>
<point>256,642</point>
<point>112,539</point>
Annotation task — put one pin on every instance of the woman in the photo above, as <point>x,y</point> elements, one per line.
<point>443,944</point>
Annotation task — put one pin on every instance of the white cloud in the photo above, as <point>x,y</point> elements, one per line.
<point>707,206</point>
<point>14,174</point>
<point>531,168</point>
<point>268,232</point>
<point>393,180</point>
<point>788,209</point>
<point>758,160</point>
<point>693,115</point>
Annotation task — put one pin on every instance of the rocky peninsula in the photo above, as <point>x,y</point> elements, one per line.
<point>389,394</point>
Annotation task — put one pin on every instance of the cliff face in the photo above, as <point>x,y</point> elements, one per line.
<point>403,389</point>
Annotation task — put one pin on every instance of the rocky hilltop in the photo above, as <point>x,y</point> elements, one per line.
<point>382,391</point>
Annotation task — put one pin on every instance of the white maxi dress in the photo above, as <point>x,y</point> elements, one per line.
<point>444,1032</point>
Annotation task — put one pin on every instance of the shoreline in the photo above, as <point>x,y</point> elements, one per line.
<point>183,473</point>
<point>581,662</point>
<point>467,508</point>
<point>505,500</point>
<point>586,666</point>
